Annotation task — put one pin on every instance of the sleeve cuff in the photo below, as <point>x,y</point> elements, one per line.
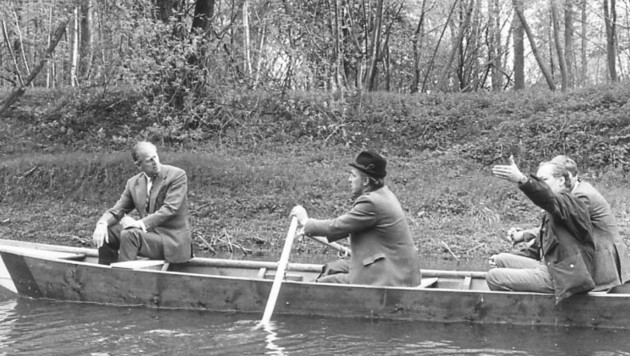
<point>142,226</point>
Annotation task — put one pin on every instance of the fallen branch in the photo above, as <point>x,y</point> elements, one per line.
<point>449,250</point>
<point>207,244</point>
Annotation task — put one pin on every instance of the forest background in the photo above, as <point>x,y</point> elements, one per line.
<point>265,102</point>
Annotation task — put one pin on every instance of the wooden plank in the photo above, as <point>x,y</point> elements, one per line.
<point>140,264</point>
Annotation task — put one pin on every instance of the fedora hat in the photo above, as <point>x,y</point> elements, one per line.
<point>371,164</point>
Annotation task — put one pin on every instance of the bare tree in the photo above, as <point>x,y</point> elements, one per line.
<point>569,47</point>
<point>556,37</point>
<point>453,52</point>
<point>584,36</point>
<point>418,37</point>
<point>532,43</point>
<point>204,11</point>
<point>610,20</point>
<point>519,49</point>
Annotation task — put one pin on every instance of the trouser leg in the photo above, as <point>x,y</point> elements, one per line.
<point>108,253</point>
<point>535,279</point>
<point>510,260</point>
<point>127,245</point>
<point>335,272</point>
<point>135,242</point>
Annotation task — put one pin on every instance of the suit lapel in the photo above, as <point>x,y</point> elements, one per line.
<point>156,188</point>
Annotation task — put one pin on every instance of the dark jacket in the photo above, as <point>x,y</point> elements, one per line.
<point>611,260</point>
<point>383,253</point>
<point>565,238</point>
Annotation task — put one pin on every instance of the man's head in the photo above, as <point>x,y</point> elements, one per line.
<point>367,173</point>
<point>556,176</point>
<point>145,157</point>
<point>569,165</point>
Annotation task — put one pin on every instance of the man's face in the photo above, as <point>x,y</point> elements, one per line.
<point>356,180</point>
<point>148,160</point>
<point>545,173</point>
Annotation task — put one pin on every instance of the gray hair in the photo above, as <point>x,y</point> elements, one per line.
<point>136,148</point>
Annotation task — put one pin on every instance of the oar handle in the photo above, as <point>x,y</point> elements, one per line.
<point>282,266</point>
<point>336,246</point>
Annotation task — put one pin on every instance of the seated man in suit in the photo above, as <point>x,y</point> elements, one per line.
<point>611,260</point>
<point>565,265</point>
<point>383,253</point>
<point>159,194</point>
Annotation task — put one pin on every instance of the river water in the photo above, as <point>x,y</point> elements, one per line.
<point>41,327</point>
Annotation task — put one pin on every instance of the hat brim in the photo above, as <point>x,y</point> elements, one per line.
<point>368,172</point>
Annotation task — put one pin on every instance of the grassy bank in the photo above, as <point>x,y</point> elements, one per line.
<point>64,161</point>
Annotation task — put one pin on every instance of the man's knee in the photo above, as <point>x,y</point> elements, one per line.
<point>130,235</point>
<point>495,280</point>
<point>501,259</point>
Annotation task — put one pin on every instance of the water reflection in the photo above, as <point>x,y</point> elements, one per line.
<point>35,327</point>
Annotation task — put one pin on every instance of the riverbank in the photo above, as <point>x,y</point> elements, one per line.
<point>60,170</point>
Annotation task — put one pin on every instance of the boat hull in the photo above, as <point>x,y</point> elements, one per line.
<point>67,280</point>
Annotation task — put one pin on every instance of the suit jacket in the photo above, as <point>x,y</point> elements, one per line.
<point>612,263</point>
<point>164,212</point>
<point>565,238</point>
<point>383,253</point>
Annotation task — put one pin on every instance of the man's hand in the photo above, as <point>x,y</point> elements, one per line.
<point>128,222</point>
<point>510,172</point>
<point>100,235</point>
<point>515,235</point>
<point>492,263</point>
<point>300,213</point>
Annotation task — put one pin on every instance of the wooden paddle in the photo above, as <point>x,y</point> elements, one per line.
<point>282,265</point>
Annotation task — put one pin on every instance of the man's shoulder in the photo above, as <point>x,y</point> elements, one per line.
<point>168,169</point>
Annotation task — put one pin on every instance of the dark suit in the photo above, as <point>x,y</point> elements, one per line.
<point>611,260</point>
<point>611,263</point>
<point>383,253</point>
<point>566,238</point>
<point>164,214</point>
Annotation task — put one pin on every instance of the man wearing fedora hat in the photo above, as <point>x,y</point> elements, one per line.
<point>383,253</point>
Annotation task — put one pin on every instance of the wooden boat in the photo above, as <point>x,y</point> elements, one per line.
<point>72,274</point>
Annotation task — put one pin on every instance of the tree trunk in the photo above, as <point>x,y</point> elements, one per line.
<point>532,43</point>
<point>494,41</point>
<point>584,61</point>
<point>556,37</point>
<point>569,48</point>
<point>519,50</point>
<point>204,11</point>
<point>165,9</point>
<point>86,38</point>
<point>418,38</point>
<point>437,47</point>
<point>371,74</point>
<point>460,36</point>
<point>74,55</point>
<point>16,94</point>
<point>610,19</point>
<point>246,53</point>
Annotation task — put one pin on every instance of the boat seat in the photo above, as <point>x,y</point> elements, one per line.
<point>428,283</point>
<point>157,265</point>
<point>467,283</point>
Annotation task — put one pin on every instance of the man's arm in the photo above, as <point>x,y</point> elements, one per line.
<point>360,217</point>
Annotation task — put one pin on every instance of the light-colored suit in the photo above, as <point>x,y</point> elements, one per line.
<point>164,212</point>
<point>383,253</point>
